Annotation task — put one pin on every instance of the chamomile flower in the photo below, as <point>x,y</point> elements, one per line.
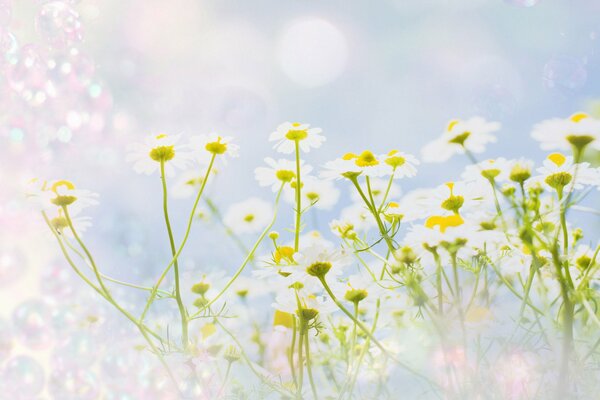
<point>559,171</point>
<point>473,135</point>
<point>402,164</point>
<point>278,172</point>
<point>189,182</point>
<point>60,223</point>
<point>63,193</point>
<point>494,169</point>
<point>352,165</point>
<point>577,131</point>
<point>148,156</point>
<point>358,216</point>
<point>249,216</point>
<point>213,144</point>
<point>322,194</point>
<point>288,133</point>
<point>319,260</point>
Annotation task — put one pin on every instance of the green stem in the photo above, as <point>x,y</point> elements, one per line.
<point>300,360</point>
<point>309,367</point>
<point>293,350</point>
<point>249,257</point>
<point>182,311</point>
<point>183,242</point>
<point>298,198</point>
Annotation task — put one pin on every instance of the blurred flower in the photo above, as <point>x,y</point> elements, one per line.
<point>473,135</point>
<point>321,194</point>
<point>248,216</point>
<point>577,131</point>
<point>278,172</point>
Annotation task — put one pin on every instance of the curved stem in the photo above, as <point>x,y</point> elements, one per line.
<point>309,367</point>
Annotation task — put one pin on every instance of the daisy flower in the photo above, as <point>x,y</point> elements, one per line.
<point>288,133</point>
<point>484,171</point>
<point>318,260</point>
<point>61,225</point>
<point>249,216</point>
<point>321,194</point>
<point>352,165</point>
<point>577,131</point>
<point>278,172</point>
<point>189,182</point>
<point>358,216</point>
<point>403,165</point>
<point>473,135</point>
<point>147,156</point>
<point>559,171</point>
<point>213,144</point>
<point>63,193</point>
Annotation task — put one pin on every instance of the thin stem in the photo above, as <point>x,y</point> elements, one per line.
<point>183,242</point>
<point>298,198</point>
<point>182,311</point>
<point>293,350</point>
<point>309,367</point>
<point>249,257</point>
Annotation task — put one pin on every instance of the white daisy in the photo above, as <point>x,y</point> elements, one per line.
<point>318,259</point>
<point>578,130</point>
<point>358,216</point>
<point>352,165</point>
<point>147,156</point>
<point>402,164</point>
<point>63,193</point>
<point>278,172</point>
<point>473,134</point>
<point>213,144</point>
<point>288,133</point>
<point>322,194</point>
<point>249,216</point>
<point>496,169</point>
<point>558,171</point>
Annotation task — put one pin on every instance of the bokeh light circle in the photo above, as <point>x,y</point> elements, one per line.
<point>313,52</point>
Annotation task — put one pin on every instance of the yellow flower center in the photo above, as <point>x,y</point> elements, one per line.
<point>312,196</point>
<point>444,222</point>
<point>62,200</point>
<point>452,124</point>
<point>365,159</point>
<point>577,117</point>
<point>394,160</point>
<point>249,218</point>
<point>557,158</point>
<point>216,147</point>
<point>285,175</point>
<point>162,153</point>
<point>283,253</point>
<point>296,134</point>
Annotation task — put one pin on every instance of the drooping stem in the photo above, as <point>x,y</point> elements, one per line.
<point>182,311</point>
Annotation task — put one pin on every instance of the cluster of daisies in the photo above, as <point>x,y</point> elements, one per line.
<point>335,304</point>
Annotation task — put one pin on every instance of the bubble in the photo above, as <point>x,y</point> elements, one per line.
<point>28,75</point>
<point>78,350</point>
<point>31,322</point>
<point>5,12</point>
<point>22,378</point>
<point>9,47</point>
<point>522,3</point>
<point>6,339</point>
<point>64,319</point>
<point>58,23</point>
<point>58,280</point>
<point>564,72</point>
<point>13,263</point>
<point>73,384</point>
<point>313,52</point>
